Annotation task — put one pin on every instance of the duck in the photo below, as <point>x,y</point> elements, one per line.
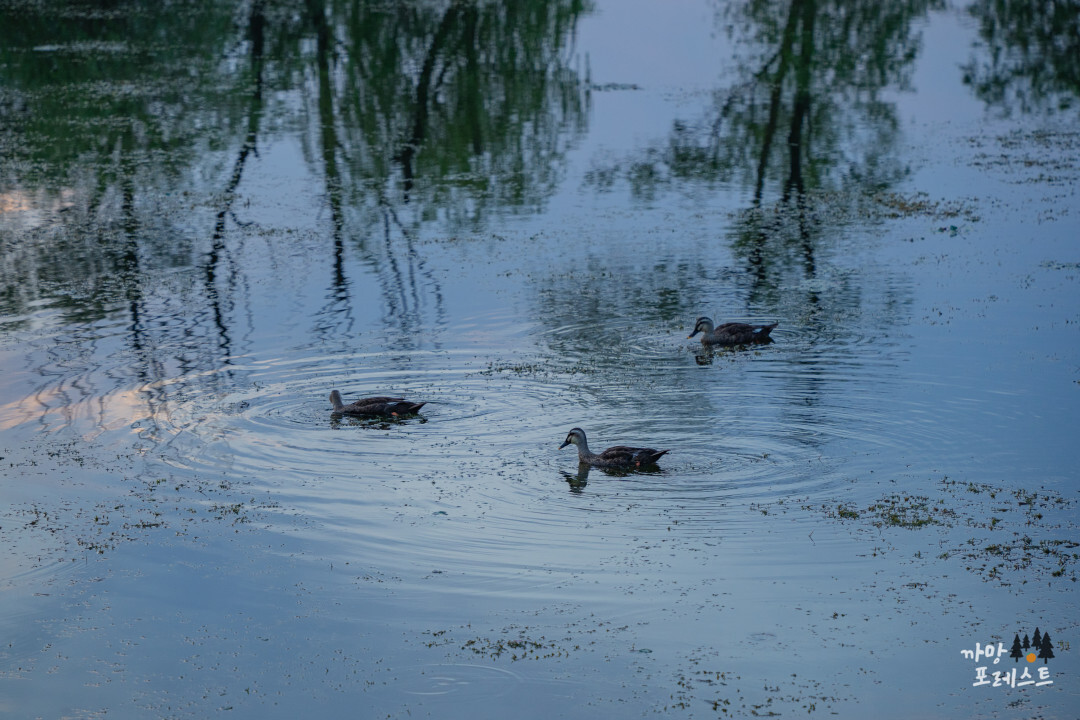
<point>732,333</point>
<point>380,405</point>
<point>619,457</point>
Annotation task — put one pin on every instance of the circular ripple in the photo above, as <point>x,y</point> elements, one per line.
<point>468,682</point>
<point>474,491</point>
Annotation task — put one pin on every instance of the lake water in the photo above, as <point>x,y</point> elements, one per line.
<point>212,216</point>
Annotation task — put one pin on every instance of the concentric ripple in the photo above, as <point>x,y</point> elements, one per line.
<point>474,487</point>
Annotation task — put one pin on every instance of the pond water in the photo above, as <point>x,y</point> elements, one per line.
<point>212,216</point>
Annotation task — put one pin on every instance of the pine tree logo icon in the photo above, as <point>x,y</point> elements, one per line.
<point>1027,649</point>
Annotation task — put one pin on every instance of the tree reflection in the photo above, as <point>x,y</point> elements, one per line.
<point>436,111</point>
<point>805,129</point>
<point>455,108</point>
<point>1030,58</point>
<point>90,132</point>
<point>139,122</point>
<point>807,115</point>
<point>823,68</point>
<point>219,248</point>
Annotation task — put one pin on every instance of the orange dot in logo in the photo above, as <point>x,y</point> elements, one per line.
<point>1030,657</point>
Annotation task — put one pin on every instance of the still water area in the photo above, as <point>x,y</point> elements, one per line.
<point>213,214</point>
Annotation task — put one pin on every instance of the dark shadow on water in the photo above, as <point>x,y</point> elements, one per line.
<point>340,420</point>
<point>705,355</point>
<point>577,481</point>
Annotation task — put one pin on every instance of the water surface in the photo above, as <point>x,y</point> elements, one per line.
<point>209,218</point>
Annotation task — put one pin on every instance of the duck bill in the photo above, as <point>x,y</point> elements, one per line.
<point>565,443</point>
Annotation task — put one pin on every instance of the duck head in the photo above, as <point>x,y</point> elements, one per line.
<point>703,325</point>
<point>574,437</point>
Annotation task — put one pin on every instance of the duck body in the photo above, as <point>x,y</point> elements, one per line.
<point>617,457</point>
<point>732,333</point>
<point>375,406</point>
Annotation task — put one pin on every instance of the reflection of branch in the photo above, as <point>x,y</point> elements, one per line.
<point>338,300</point>
<point>400,285</point>
<point>474,104</point>
<point>774,100</point>
<point>237,221</point>
<point>415,263</point>
<point>734,94</point>
<point>801,107</point>
<point>217,249</point>
<point>327,125</point>
<point>758,78</point>
<point>148,367</point>
<point>423,90</point>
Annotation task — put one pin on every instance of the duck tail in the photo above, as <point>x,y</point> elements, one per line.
<point>764,330</point>
<point>651,457</point>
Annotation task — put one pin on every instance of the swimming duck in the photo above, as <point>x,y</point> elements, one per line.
<point>387,406</point>
<point>614,457</point>
<point>732,333</point>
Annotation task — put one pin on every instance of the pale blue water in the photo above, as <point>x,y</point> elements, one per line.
<point>191,534</point>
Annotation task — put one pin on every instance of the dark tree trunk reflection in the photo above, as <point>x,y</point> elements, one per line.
<point>220,299</point>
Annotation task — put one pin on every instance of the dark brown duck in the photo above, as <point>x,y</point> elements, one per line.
<point>732,333</point>
<point>374,406</point>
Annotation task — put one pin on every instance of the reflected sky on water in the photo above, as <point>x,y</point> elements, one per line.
<point>212,216</point>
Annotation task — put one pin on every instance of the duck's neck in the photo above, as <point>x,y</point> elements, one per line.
<point>583,452</point>
<point>335,400</point>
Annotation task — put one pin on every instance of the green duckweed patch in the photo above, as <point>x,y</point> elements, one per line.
<point>728,695</point>
<point>513,643</point>
<point>919,204</point>
<point>79,527</point>
<point>542,369</point>
<point>1002,534</point>
<point>895,510</point>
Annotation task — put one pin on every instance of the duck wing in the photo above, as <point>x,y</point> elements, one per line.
<point>623,455</point>
<point>648,456</point>
<point>377,399</point>
<point>736,333</point>
<point>382,406</point>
